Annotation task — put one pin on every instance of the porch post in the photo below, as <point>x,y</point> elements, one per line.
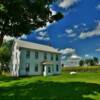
<point>18,63</point>
<point>45,73</point>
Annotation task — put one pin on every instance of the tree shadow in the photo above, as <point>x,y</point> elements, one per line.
<point>8,79</point>
<point>43,90</point>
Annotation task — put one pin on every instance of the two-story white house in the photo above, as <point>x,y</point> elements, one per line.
<point>34,59</point>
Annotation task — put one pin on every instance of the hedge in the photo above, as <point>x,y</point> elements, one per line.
<point>82,69</point>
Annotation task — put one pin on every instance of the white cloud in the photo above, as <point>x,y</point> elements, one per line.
<point>88,56</point>
<point>43,36</point>
<point>72,35</point>
<point>98,7</point>
<point>69,31</point>
<point>67,3</point>
<point>67,51</point>
<point>75,39</point>
<point>42,33</point>
<point>95,32</point>
<point>40,29</point>
<point>24,36</point>
<point>75,26</point>
<point>61,35</point>
<point>84,24</point>
<point>44,27</point>
<point>98,49</point>
<point>53,12</point>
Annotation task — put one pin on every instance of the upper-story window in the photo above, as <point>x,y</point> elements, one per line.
<point>36,54</point>
<point>27,54</point>
<point>45,55</point>
<point>57,58</point>
<point>51,56</point>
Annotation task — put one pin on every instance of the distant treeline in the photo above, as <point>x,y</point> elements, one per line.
<point>89,62</point>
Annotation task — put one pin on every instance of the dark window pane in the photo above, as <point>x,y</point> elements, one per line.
<point>36,68</point>
<point>36,54</point>
<point>45,55</point>
<point>51,56</point>
<point>27,67</point>
<point>27,54</point>
<point>56,57</point>
<point>57,67</point>
<point>49,69</point>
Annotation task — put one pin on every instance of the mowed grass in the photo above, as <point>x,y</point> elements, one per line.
<point>82,86</point>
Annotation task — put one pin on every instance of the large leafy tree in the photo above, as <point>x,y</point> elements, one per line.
<point>19,17</point>
<point>5,55</point>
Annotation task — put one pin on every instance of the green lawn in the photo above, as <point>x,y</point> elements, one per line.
<point>82,86</point>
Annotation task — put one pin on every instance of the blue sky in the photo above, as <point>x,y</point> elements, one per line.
<point>79,29</point>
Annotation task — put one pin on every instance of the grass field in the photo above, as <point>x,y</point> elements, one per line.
<point>82,86</point>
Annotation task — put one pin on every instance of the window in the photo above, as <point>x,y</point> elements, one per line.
<point>36,68</point>
<point>27,54</point>
<point>27,67</point>
<point>51,56</point>
<point>56,57</point>
<point>57,67</point>
<point>36,54</point>
<point>45,55</point>
<point>49,69</point>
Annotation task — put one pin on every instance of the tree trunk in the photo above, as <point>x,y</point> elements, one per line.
<point>1,39</point>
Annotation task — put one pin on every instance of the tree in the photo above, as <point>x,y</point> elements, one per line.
<point>96,60</point>
<point>88,61</point>
<point>92,62</point>
<point>81,63</point>
<point>19,17</point>
<point>5,54</point>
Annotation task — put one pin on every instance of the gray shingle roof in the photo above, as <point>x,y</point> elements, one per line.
<point>35,46</point>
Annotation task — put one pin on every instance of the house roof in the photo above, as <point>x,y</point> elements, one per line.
<point>75,57</point>
<point>35,46</point>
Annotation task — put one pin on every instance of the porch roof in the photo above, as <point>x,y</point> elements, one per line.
<point>46,62</point>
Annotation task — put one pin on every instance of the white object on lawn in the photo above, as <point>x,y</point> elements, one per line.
<point>73,73</point>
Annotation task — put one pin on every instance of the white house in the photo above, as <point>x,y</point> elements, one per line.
<point>72,61</point>
<point>34,59</point>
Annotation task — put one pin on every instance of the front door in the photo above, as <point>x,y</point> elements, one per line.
<point>43,69</point>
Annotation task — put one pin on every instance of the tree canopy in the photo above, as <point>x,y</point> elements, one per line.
<point>19,17</point>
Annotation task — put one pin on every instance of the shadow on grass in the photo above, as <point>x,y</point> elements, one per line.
<point>7,78</point>
<point>42,90</point>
